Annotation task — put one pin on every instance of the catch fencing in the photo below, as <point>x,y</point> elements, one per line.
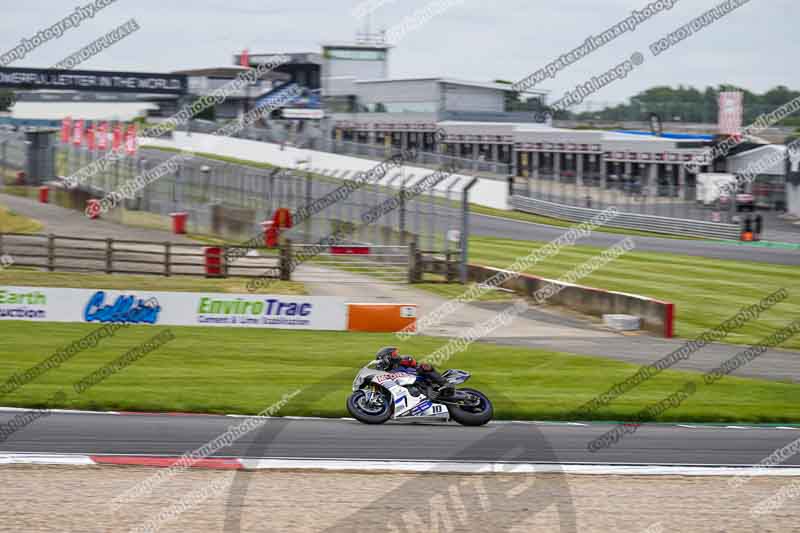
<point>13,152</point>
<point>233,199</point>
<point>354,264</point>
<point>315,138</point>
<point>488,169</point>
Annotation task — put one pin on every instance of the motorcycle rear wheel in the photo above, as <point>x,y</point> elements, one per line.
<point>355,405</point>
<point>478,416</point>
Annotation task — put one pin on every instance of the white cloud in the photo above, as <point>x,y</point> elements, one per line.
<point>480,39</point>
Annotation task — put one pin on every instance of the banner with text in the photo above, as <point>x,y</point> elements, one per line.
<point>46,304</point>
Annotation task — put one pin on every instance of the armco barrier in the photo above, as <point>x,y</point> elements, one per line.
<point>652,223</point>
<point>657,317</point>
<point>381,318</point>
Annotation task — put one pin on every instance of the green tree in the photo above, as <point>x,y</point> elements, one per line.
<point>7,100</point>
<point>688,104</point>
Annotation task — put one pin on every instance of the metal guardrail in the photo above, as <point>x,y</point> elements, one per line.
<point>652,223</point>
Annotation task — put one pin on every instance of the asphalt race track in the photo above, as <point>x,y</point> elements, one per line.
<point>169,435</point>
<point>483,225</point>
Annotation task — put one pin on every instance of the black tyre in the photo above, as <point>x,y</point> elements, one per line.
<point>370,413</point>
<point>472,416</point>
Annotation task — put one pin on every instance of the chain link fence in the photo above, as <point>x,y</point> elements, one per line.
<point>234,200</point>
<point>488,169</point>
<point>13,153</point>
<point>313,137</point>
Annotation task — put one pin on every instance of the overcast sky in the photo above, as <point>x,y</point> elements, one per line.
<point>756,46</point>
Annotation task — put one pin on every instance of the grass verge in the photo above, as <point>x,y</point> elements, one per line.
<point>705,291</point>
<point>11,222</point>
<point>224,370</point>
<point>31,278</point>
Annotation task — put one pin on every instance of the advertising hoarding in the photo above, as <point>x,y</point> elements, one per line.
<point>172,308</point>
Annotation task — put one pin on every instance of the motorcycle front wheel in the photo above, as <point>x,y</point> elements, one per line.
<point>377,411</point>
<point>476,415</point>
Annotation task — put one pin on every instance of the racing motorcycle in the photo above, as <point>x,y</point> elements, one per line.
<point>380,395</point>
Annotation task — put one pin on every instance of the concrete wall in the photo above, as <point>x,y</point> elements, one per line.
<point>490,193</point>
<point>333,68</point>
<point>466,98</point>
<point>793,199</point>
<point>388,92</point>
<point>657,316</point>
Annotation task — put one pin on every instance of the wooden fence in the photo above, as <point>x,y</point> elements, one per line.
<point>117,256</point>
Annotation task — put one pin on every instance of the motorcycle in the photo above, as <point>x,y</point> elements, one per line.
<point>379,395</point>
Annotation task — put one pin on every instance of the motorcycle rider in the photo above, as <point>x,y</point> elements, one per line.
<point>394,360</point>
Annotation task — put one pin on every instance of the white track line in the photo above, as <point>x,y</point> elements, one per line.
<point>445,467</point>
<point>439,467</point>
<point>60,411</point>
<point>44,459</point>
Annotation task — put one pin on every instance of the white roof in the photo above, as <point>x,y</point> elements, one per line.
<point>617,136</point>
<point>760,151</point>
<point>454,81</point>
<point>539,128</point>
<point>519,125</point>
<point>769,159</point>
<point>366,45</point>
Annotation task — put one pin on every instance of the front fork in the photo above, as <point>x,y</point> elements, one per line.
<point>373,394</point>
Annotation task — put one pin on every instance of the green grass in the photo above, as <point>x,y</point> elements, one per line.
<point>8,176</point>
<point>11,222</point>
<point>30,278</point>
<point>246,370</point>
<point>705,291</point>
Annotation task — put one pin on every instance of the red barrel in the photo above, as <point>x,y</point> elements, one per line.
<point>179,222</point>
<point>213,261</point>
<point>93,208</point>
<point>270,234</point>
<point>44,194</point>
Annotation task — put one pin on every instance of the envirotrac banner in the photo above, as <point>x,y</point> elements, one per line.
<point>172,308</point>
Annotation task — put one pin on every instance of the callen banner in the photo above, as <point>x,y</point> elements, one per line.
<point>45,304</point>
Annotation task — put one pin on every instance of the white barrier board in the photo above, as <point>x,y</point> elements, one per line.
<point>47,304</point>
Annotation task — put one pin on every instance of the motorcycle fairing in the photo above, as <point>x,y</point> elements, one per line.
<point>405,404</point>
